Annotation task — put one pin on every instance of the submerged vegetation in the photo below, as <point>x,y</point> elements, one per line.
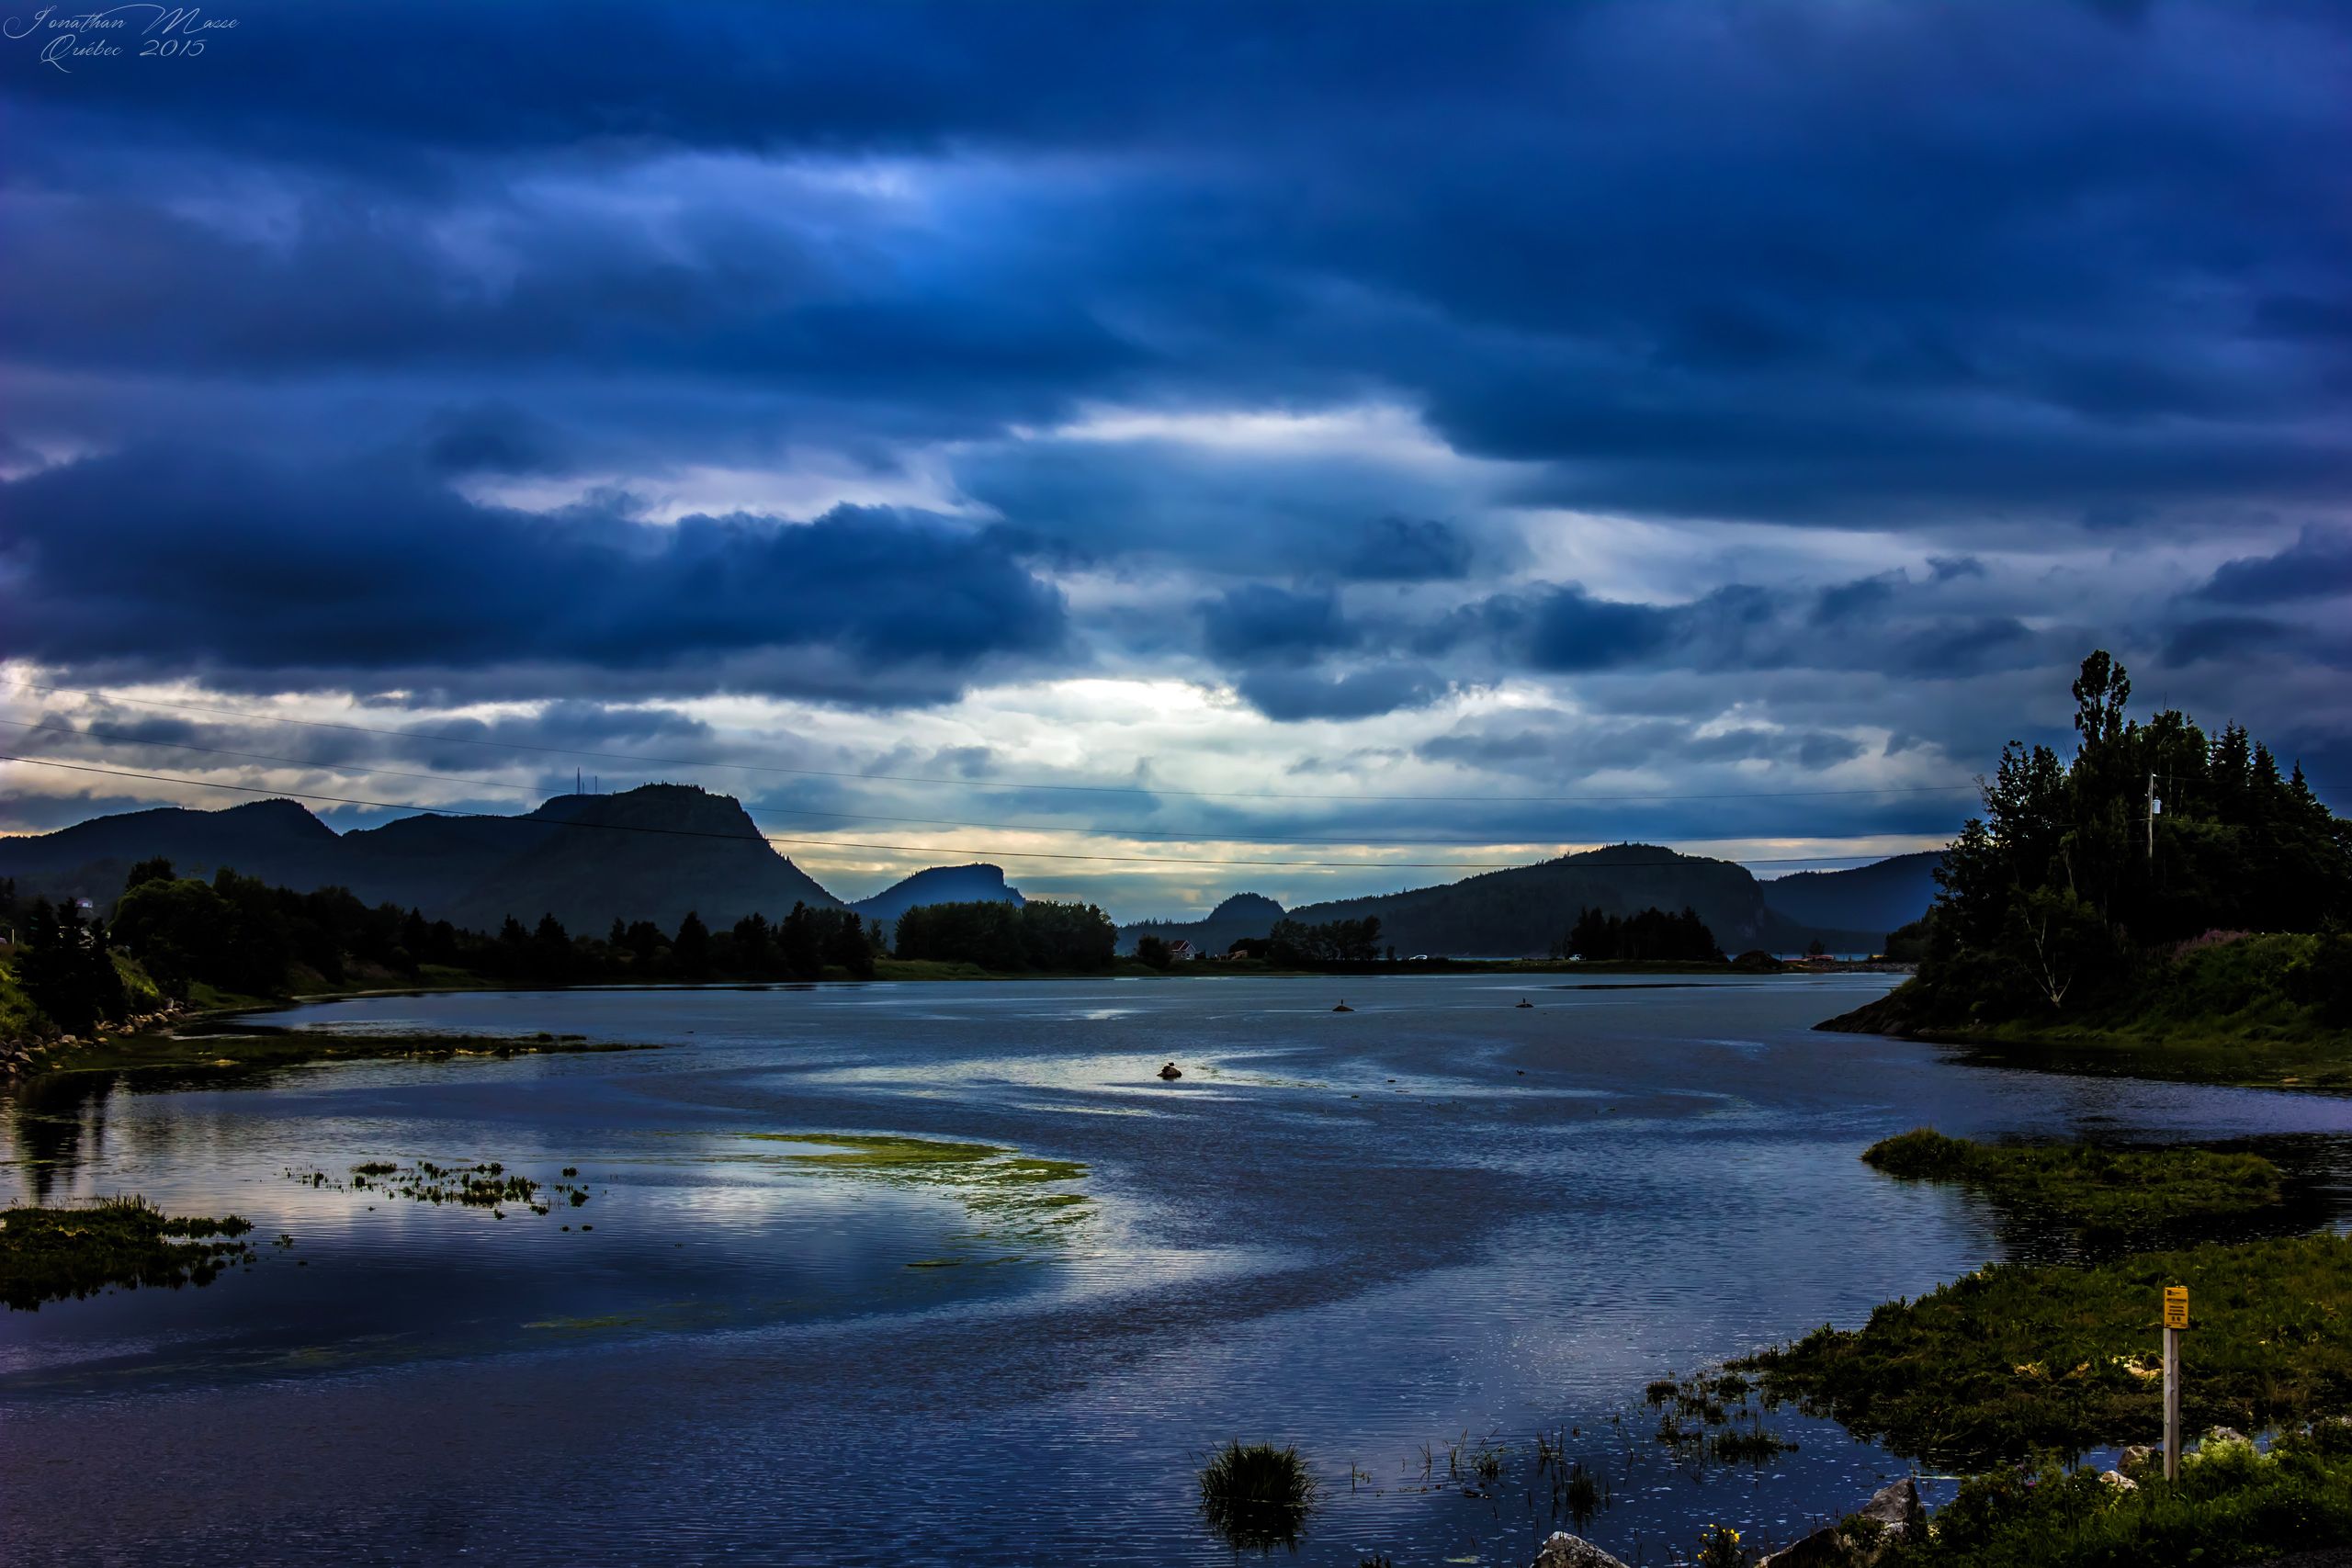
<point>487,1185</point>
<point>50,1254</point>
<point>2093,1189</point>
<point>1712,1415</point>
<point>1257,1496</point>
<point>2016,1360</point>
<point>1016,1201</point>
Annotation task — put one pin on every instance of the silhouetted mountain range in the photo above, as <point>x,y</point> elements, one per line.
<point>651,853</point>
<point>940,885</point>
<point>1521,911</point>
<point>656,851</point>
<point>1877,898</point>
<point>1243,915</point>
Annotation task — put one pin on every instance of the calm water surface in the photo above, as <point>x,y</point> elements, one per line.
<point>1374,1235</point>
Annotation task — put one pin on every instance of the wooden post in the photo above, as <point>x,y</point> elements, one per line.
<point>2175,1319</point>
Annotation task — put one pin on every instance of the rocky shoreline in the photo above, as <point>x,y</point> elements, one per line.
<point>23,1058</point>
<point>1894,1513</point>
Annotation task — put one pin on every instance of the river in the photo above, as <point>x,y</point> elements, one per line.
<point>1438,1223</point>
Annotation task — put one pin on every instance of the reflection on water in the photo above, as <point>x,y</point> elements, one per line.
<point>863,1271</point>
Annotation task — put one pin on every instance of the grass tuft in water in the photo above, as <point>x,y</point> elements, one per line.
<point>50,1254</point>
<point>1257,1496</point>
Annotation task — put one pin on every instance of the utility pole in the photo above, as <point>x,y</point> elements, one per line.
<point>2152,819</point>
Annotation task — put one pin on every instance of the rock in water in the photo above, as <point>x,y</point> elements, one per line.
<point>1566,1550</point>
<point>1525,1003</point>
<point>1171,1072</point>
<point>1343,1007</point>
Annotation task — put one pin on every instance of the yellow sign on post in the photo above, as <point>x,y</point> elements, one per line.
<point>2175,1306</point>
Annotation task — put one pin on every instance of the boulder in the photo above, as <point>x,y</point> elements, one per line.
<point>1829,1547</point>
<point>1898,1508</point>
<point>1171,1072</point>
<point>1566,1550</point>
<point>2117,1482</point>
<point>2139,1456</point>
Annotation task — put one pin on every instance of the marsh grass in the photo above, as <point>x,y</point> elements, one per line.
<point>2101,1192</point>
<point>2016,1359</point>
<point>487,1185</point>
<point>50,1254</point>
<point>1257,1496</point>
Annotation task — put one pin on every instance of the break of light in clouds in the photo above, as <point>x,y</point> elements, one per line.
<point>1708,403</point>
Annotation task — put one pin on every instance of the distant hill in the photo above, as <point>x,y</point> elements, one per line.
<point>1521,912</point>
<point>1244,914</point>
<point>659,851</point>
<point>650,854</point>
<point>276,840</point>
<point>1877,898</point>
<point>940,885</point>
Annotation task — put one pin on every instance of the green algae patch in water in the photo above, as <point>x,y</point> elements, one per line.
<point>119,1243</point>
<point>1012,1197</point>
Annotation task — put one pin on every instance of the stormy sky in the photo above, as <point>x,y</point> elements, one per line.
<point>1399,437</point>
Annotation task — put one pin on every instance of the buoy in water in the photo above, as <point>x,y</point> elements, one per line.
<point>1343,1007</point>
<point>1171,1072</point>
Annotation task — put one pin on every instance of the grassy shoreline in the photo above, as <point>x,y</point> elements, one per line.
<point>2226,1012</point>
<point>2095,1191</point>
<point>269,1047</point>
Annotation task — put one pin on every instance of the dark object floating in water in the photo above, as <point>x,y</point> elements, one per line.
<point>1343,1007</point>
<point>1525,1003</point>
<point>1171,1072</point>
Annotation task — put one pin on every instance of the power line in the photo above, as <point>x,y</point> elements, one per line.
<point>978,784</point>
<point>117,738</point>
<point>843,843</point>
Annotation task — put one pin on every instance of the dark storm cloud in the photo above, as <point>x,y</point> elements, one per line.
<point>1887,623</point>
<point>1992,272</point>
<point>1779,261</point>
<point>1291,694</point>
<point>1570,631</point>
<point>2318,565</point>
<point>1397,550</point>
<point>167,562</point>
<point>1260,621</point>
<point>494,438</point>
